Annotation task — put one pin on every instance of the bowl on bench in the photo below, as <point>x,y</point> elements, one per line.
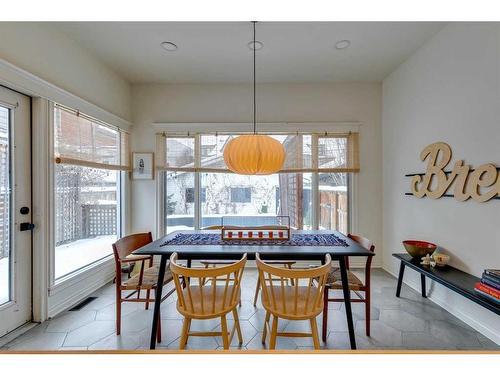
<point>419,248</point>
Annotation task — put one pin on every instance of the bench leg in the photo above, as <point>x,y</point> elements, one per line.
<point>400,278</point>
<point>422,282</point>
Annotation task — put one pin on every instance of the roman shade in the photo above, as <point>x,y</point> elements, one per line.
<point>82,140</point>
<point>307,152</point>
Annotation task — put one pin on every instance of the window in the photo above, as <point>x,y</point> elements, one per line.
<point>225,198</point>
<point>189,195</point>
<point>312,189</point>
<point>90,158</point>
<point>333,201</point>
<point>241,195</point>
<point>189,198</point>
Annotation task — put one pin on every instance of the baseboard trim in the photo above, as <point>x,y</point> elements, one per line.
<point>71,296</point>
<point>467,319</point>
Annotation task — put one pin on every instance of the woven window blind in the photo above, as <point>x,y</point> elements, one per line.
<point>326,153</point>
<point>81,140</point>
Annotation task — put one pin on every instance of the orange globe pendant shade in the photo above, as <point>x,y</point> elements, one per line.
<point>254,155</point>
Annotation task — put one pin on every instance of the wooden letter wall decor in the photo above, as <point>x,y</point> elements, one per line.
<point>480,184</point>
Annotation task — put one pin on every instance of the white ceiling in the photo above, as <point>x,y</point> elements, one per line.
<point>212,52</point>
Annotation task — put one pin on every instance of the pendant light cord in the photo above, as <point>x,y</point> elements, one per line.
<point>254,85</point>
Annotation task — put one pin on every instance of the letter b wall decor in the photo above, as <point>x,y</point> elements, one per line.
<point>480,184</point>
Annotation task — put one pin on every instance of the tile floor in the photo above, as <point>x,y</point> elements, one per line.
<point>410,322</point>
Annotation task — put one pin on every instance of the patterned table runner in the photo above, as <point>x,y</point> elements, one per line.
<point>296,240</point>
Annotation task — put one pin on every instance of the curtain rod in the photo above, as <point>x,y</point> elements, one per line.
<point>192,134</point>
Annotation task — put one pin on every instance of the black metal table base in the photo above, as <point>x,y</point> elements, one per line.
<point>347,301</point>
<point>159,290</point>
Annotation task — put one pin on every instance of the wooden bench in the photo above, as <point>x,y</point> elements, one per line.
<point>450,277</point>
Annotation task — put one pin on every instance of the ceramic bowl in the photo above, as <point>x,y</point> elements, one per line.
<point>441,259</point>
<point>419,248</point>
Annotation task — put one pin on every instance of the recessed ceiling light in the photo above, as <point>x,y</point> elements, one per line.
<point>169,46</point>
<point>342,44</point>
<point>258,45</point>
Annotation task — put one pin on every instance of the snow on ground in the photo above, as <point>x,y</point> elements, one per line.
<point>173,228</point>
<point>69,257</point>
<point>78,254</point>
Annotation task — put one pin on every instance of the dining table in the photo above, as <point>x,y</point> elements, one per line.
<point>304,245</point>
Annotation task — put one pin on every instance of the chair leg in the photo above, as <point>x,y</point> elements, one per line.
<point>274,332</point>
<point>188,330</point>
<point>158,330</point>
<point>184,334</point>
<point>264,331</point>
<point>289,266</point>
<point>367,311</point>
<point>324,326</point>
<point>257,288</point>
<point>225,336</point>
<point>147,297</point>
<point>118,310</point>
<point>237,325</point>
<point>314,331</point>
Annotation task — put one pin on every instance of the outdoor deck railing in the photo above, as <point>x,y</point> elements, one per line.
<point>94,220</point>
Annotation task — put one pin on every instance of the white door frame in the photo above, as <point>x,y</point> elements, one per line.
<point>18,310</point>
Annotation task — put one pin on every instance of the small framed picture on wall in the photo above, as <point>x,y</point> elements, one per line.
<point>143,165</point>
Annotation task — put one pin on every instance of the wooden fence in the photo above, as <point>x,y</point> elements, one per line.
<point>98,220</point>
<point>333,211</point>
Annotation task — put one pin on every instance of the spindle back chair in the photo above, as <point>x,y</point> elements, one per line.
<point>302,300</point>
<point>207,293</point>
<point>214,263</point>
<point>355,285</point>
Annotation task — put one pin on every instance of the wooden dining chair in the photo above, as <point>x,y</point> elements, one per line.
<point>300,301</point>
<point>201,297</point>
<point>214,263</point>
<point>334,282</point>
<point>145,280</point>
<point>285,263</point>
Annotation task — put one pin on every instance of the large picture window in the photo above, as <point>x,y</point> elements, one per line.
<point>313,188</point>
<point>90,157</point>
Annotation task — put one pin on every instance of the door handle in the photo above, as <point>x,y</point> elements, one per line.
<point>26,226</point>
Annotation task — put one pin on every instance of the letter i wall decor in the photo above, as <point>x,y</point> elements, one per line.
<point>480,184</point>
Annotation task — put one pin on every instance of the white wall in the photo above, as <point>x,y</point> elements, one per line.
<point>276,103</point>
<point>447,91</point>
<point>50,55</point>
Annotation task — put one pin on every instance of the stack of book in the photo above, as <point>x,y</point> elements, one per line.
<point>489,286</point>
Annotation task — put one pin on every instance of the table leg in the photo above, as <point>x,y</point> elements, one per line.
<point>188,264</point>
<point>422,282</point>
<point>186,279</point>
<point>159,289</point>
<point>347,301</point>
<point>400,278</point>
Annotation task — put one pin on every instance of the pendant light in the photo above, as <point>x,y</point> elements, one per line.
<point>254,154</point>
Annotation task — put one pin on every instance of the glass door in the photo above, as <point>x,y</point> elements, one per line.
<point>15,210</point>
